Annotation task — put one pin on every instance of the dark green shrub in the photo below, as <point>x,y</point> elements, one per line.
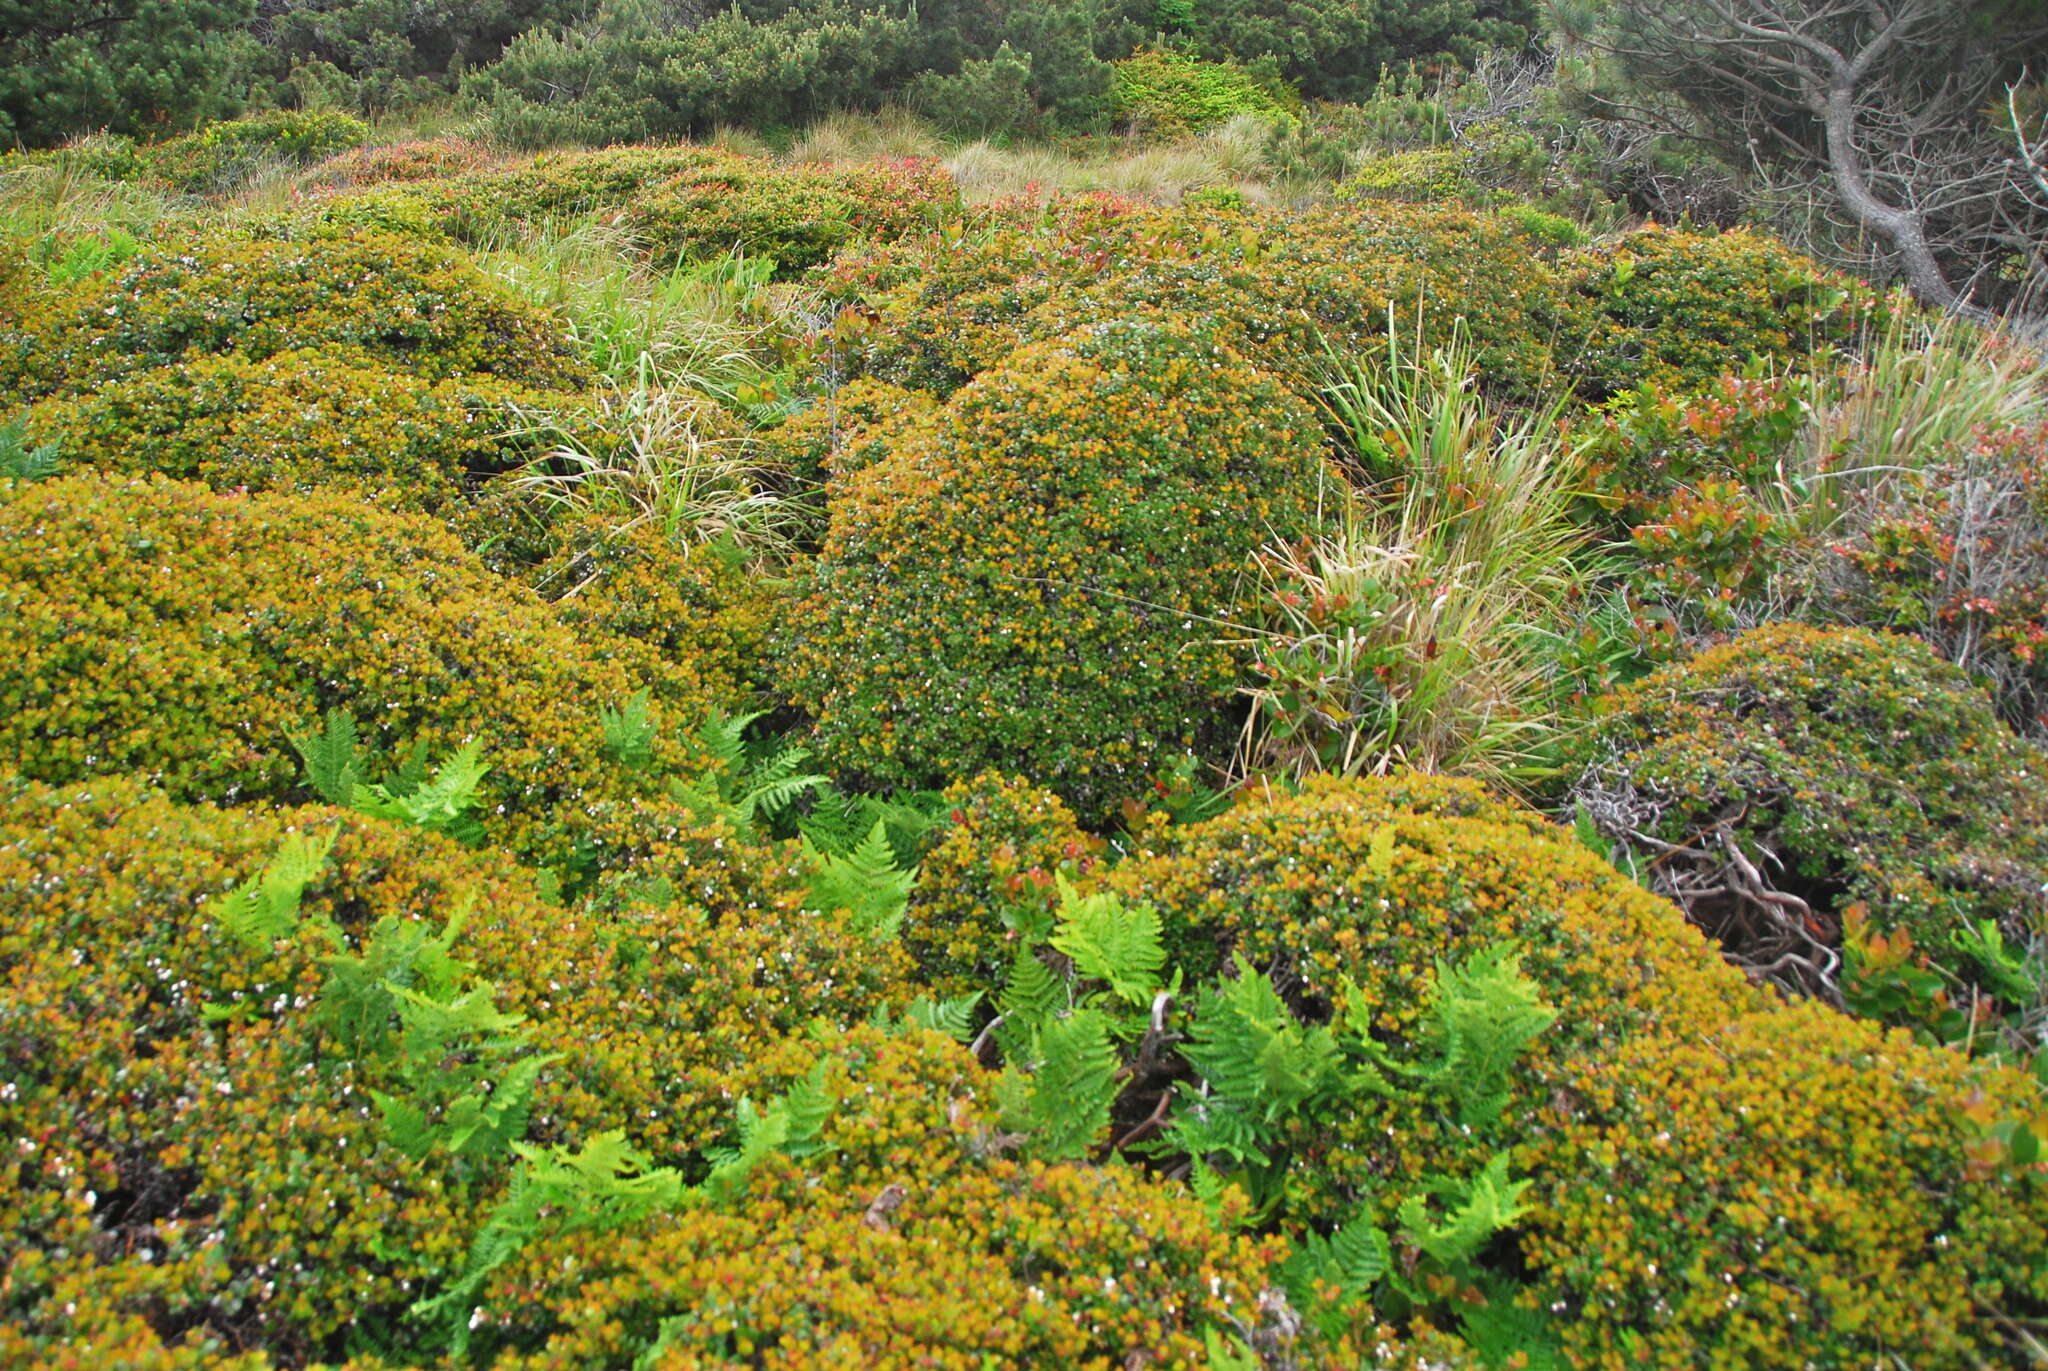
<point>293,422</point>
<point>1680,309</point>
<point>985,97</point>
<point>398,300</point>
<point>1024,581</point>
<point>72,66</point>
<point>1773,783</point>
<point>240,619</point>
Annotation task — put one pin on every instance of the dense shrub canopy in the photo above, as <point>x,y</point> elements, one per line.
<point>239,619</point>
<point>401,301</point>
<point>1694,1188</point>
<point>653,1013</point>
<point>1028,580</point>
<point>294,422</point>
<point>1283,289</point>
<point>1775,781</point>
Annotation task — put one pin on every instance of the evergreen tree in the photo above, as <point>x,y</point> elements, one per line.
<point>130,66</point>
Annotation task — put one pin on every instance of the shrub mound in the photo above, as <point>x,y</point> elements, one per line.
<point>293,422</point>
<point>208,1156</point>
<point>1161,91</point>
<point>1677,309</point>
<point>678,201</point>
<point>401,301</point>
<point>908,1239</point>
<point>1004,846</point>
<point>1773,782</point>
<point>163,631</point>
<point>1692,1197</point>
<point>1283,287</point>
<point>1019,584</point>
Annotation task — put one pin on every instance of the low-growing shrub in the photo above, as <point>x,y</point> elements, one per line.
<point>160,1048</point>
<point>844,431</point>
<point>1003,848</point>
<point>1787,1188</point>
<point>293,422</point>
<point>1679,309</point>
<point>1689,1195</point>
<point>902,1237</point>
<point>221,156</point>
<point>398,300</point>
<point>677,202</point>
<point>689,604</point>
<point>1283,288</point>
<point>1163,91</point>
<point>1017,585</point>
<point>240,619</point>
<point>1772,783</point>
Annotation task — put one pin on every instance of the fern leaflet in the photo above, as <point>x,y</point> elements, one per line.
<point>265,908</point>
<point>1107,941</point>
<point>865,884</point>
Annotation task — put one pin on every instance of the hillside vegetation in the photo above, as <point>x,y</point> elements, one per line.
<point>1291,739</point>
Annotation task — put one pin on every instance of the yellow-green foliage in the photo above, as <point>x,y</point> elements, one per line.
<point>1424,175</point>
<point>404,302</point>
<point>679,201</point>
<point>909,1241</point>
<point>164,631</point>
<point>293,422</point>
<point>608,584</point>
<point>1679,309</point>
<point>231,1174</point>
<point>1020,583</point>
<point>1717,1179</point>
<point>1005,844</point>
<point>216,157</point>
<point>844,431</point>
<point>1281,287</point>
<point>1789,1188</point>
<point>1373,883</point>
<point>1159,90</point>
<point>1855,767</point>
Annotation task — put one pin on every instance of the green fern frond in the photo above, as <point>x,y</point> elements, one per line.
<point>629,731</point>
<point>265,908</point>
<point>1258,1066</point>
<point>1482,1015</point>
<point>1073,1085</point>
<point>1347,1263</point>
<point>441,805</point>
<point>1475,1211</point>
<point>954,1017</point>
<point>604,1186</point>
<point>19,461</point>
<point>793,1124</point>
<point>1123,946</point>
<point>1032,995</point>
<point>724,736</point>
<point>329,757</point>
<point>864,883</point>
<point>1506,1333</point>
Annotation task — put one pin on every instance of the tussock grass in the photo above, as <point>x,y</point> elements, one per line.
<point>1435,626</point>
